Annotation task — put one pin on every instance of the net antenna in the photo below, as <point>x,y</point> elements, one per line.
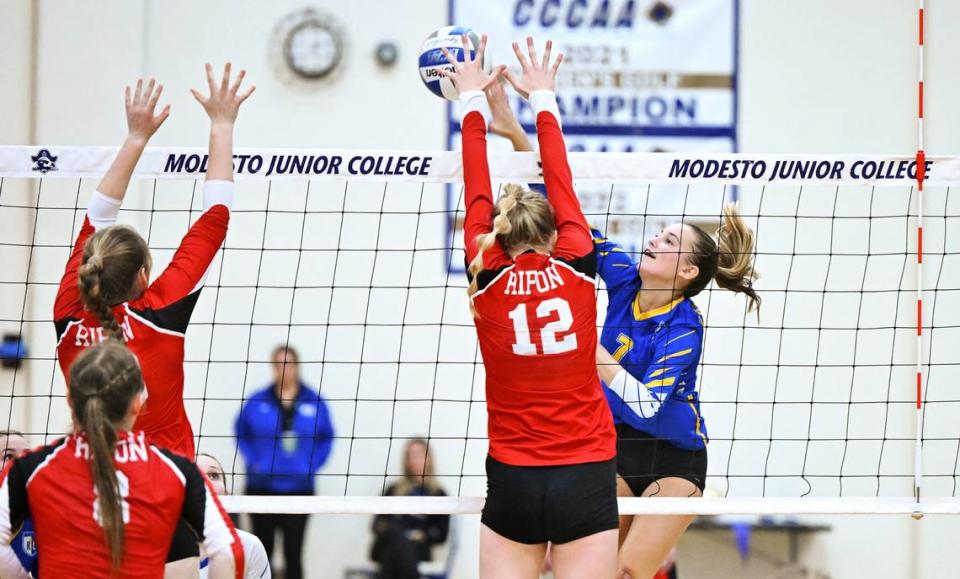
<point>921,166</point>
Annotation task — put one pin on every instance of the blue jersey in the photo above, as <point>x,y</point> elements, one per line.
<point>25,547</point>
<point>659,348</point>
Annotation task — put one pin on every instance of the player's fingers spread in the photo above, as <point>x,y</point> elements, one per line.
<point>481,49</point>
<point>163,115</point>
<point>556,64</point>
<point>155,97</point>
<point>465,49</point>
<point>210,82</point>
<point>126,96</point>
<point>238,82</point>
<point>449,57</point>
<point>520,56</point>
<point>532,51</point>
<point>225,81</point>
<point>148,92</point>
<point>138,90</point>
<point>196,94</point>
<point>246,94</point>
<point>546,55</point>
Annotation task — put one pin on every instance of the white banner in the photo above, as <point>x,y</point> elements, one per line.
<point>446,167</point>
<point>638,76</point>
<point>638,73</point>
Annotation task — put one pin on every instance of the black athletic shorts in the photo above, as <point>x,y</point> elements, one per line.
<point>536,504</point>
<point>185,543</point>
<point>643,459</point>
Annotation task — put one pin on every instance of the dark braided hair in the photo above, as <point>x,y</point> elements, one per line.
<point>730,261</point>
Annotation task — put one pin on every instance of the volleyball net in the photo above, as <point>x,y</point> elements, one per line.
<point>839,397</point>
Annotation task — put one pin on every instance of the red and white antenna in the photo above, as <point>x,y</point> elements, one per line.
<point>921,174</point>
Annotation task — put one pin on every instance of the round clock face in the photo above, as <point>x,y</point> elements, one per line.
<point>313,49</point>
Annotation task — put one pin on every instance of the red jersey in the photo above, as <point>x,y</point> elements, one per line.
<point>153,325</point>
<point>537,321</point>
<point>158,488</point>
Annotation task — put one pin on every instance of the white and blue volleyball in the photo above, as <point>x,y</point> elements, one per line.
<point>432,58</point>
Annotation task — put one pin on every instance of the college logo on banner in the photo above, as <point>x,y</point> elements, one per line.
<point>44,162</point>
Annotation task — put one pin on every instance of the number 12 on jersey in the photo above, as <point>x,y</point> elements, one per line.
<point>523,346</point>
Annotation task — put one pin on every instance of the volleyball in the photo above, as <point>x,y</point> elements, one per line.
<point>432,58</point>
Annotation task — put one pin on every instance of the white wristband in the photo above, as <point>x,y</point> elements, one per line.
<point>218,193</point>
<point>544,100</point>
<point>474,100</point>
<point>102,210</point>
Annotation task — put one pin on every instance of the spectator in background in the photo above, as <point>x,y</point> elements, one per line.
<point>255,562</point>
<point>401,542</point>
<point>13,444</point>
<point>284,433</point>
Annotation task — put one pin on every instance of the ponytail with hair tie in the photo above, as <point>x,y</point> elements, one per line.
<point>736,246</point>
<point>104,380</point>
<point>522,218</point>
<point>728,259</point>
<point>112,259</point>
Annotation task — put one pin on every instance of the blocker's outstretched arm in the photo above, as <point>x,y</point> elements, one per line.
<point>142,123</point>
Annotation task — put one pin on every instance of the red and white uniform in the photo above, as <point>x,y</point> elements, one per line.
<point>537,321</point>
<point>154,324</point>
<point>53,485</point>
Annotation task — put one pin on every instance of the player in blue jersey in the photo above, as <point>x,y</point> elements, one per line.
<point>648,356</point>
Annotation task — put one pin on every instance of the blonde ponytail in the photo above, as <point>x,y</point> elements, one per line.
<point>501,226</point>
<point>729,261</point>
<point>736,248</point>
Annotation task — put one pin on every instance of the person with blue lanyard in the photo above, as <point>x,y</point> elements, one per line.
<point>285,435</point>
<point>648,355</point>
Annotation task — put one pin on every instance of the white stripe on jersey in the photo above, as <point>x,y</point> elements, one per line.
<point>171,464</point>
<point>216,533</point>
<point>579,274</point>
<point>493,281</point>
<point>67,330</point>
<point>680,336</point>
<point>46,461</point>
<point>147,322</point>
<point>203,280</point>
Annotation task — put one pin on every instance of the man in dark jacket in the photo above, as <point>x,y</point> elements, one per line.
<point>285,435</point>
